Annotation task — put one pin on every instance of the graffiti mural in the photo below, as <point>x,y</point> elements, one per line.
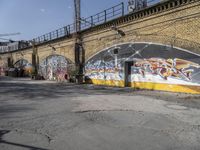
<point>54,67</point>
<point>150,66</point>
<point>178,68</point>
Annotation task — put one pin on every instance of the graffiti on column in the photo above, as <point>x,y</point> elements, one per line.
<point>151,63</point>
<point>54,67</point>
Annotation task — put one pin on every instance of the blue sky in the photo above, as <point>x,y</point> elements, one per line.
<point>33,18</point>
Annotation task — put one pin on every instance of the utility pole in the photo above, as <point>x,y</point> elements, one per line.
<point>79,51</point>
<point>77,17</point>
<point>35,58</point>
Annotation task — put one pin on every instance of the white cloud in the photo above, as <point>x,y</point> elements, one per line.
<point>69,7</point>
<point>42,10</point>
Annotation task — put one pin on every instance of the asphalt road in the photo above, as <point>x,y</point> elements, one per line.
<point>42,115</point>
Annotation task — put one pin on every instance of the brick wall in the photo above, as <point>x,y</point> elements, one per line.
<point>173,23</point>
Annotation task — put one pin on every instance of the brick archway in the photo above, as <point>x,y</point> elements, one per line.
<point>54,66</point>
<point>146,65</point>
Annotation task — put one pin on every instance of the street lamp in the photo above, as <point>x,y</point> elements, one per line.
<point>119,32</point>
<point>53,48</point>
<point>116,51</point>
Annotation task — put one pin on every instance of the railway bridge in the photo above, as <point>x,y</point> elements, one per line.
<point>154,48</point>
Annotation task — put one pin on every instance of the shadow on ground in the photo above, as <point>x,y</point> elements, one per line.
<point>3,132</point>
<point>55,90</point>
<point>27,90</point>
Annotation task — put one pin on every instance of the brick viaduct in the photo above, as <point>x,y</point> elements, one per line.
<point>170,23</point>
<point>173,22</point>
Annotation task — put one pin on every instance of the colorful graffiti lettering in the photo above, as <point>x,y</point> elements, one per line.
<point>104,70</point>
<point>166,68</point>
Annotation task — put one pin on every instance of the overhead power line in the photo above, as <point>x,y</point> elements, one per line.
<point>9,34</point>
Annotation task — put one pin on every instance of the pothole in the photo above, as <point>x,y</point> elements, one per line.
<point>176,107</point>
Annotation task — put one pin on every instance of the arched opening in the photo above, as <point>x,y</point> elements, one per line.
<point>23,68</point>
<point>55,67</point>
<point>146,66</point>
<point>20,63</point>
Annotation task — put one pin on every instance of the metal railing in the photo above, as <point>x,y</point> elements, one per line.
<point>102,17</point>
<point>62,32</point>
<point>97,19</point>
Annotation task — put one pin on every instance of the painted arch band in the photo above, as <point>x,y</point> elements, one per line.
<point>147,66</point>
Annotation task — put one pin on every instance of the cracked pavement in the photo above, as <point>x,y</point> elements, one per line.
<point>44,115</point>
